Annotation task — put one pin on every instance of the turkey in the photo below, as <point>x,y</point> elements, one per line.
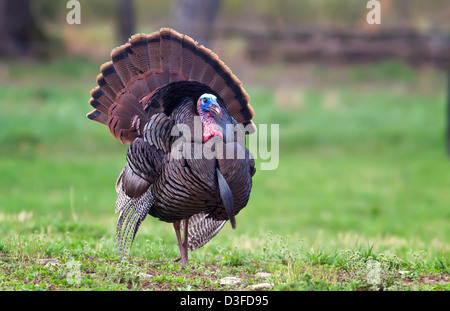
<point>185,117</point>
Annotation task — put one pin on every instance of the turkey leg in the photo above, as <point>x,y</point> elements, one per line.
<point>183,245</point>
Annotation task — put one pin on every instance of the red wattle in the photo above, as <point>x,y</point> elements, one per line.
<point>210,127</point>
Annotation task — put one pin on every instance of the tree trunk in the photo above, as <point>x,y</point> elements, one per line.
<point>195,18</point>
<point>448,112</point>
<point>20,34</point>
<point>125,20</point>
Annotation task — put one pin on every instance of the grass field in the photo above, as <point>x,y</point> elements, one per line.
<point>361,186</point>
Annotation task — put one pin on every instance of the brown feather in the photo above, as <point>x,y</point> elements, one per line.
<point>138,86</point>
<point>139,53</point>
<point>111,77</point>
<point>164,50</point>
<point>153,46</point>
<point>105,87</point>
<point>96,115</point>
<point>187,55</point>
<point>176,51</point>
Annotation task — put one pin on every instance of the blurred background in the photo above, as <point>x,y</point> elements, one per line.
<point>362,109</point>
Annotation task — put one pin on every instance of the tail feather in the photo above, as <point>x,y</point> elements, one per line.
<point>209,71</point>
<point>132,211</point>
<point>100,101</point>
<point>176,52</point>
<point>164,50</point>
<point>129,105</point>
<point>138,52</point>
<point>221,78</point>
<point>198,63</point>
<point>96,115</point>
<point>123,63</point>
<point>111,77</point>
<point>187,56</point>
<point>105,87</point>
<point>202,229</point>
<point>139,87</point>
<point>153,46</point>
<point>155,79</point>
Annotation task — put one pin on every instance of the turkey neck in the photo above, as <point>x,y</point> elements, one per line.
<point>209,124</point>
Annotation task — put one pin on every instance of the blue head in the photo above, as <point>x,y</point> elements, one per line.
<point>208,103</point>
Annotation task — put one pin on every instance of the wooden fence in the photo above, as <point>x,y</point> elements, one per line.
<point>345,46</point>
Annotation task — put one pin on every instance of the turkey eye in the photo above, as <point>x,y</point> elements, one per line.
<point>205,100</point>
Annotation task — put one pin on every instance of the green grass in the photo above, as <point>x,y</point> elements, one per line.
<point>362,177</point>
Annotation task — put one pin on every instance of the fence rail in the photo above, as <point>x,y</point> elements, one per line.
<point>297,45</point>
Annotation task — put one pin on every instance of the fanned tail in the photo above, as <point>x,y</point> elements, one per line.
<point>149,62</point>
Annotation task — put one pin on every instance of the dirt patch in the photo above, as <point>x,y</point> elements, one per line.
<point>428,279</point>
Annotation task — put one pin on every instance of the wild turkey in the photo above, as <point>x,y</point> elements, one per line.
<point>150,96</point>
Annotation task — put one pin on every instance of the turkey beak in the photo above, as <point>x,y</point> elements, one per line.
<point>216,110</point>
